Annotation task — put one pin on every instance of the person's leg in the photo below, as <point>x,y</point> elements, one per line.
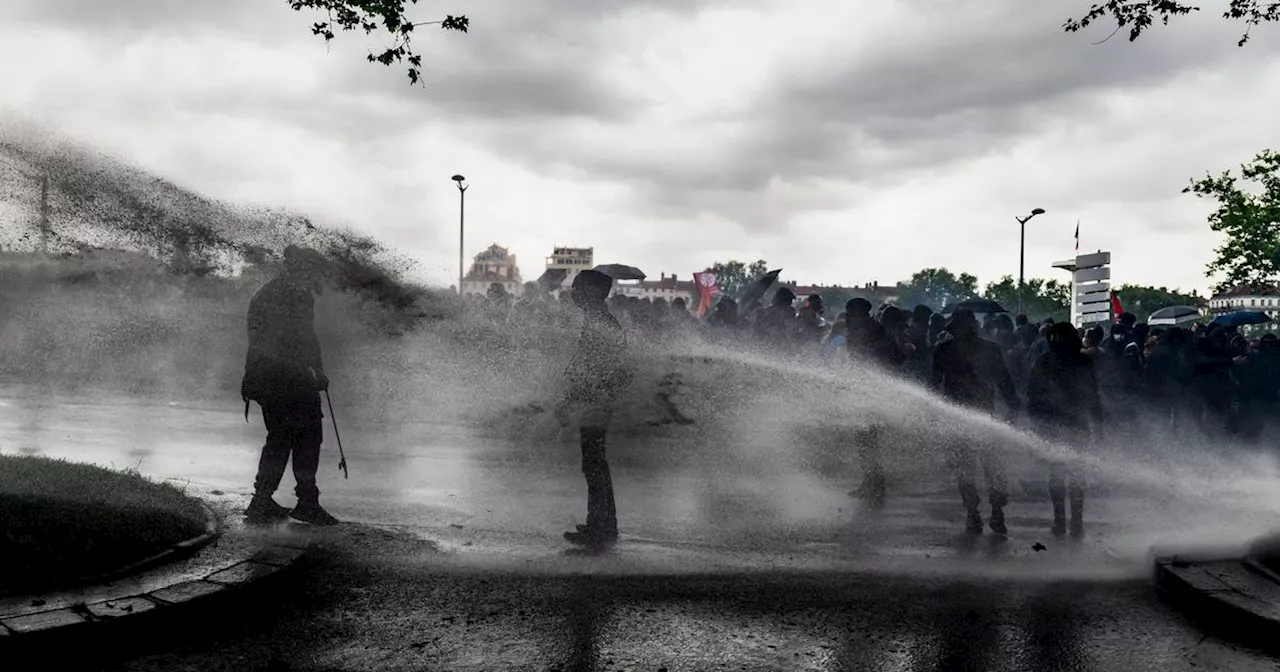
<point>306,436</point>
<point>962,460</point>
<point>997,488</point>
<point>1075,493</point>
<point>601,508</point>
<point>271,465</point>
<point>873,480</point>
<point>1058,496</point>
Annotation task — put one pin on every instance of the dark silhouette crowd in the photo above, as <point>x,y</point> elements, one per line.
<point>1062,382</point>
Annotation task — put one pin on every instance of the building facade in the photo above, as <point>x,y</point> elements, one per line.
<point>1264,299</point>
<point>572,260</point>
<point>667,287</point>
<point>494,265</point>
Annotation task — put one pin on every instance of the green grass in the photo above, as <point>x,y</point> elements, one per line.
<point>61,522</point>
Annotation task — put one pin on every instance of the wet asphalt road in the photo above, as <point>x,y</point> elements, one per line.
<point>451,560</point>
<point>374,601</point>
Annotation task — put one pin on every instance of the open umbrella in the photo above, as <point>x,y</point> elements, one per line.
<point>755,291</point>
<point>976,306</point>
<point>1241,318</point>
<point>1173,316</point>
<point>552,278</point>
<point>620,271</point>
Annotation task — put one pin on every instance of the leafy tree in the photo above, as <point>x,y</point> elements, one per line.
<point>1250,219</point>
<point>1142,301</point>
<point>939,287</point>
<point>734,276</point>
<point>374,15</point>
<point>1041,298</point>
<point>1139,15</point>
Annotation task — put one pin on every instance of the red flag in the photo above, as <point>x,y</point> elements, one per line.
<point>707,290</point>
<point>1116,309</point>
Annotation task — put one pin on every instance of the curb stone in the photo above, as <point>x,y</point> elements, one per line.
<point>267,559</point>
<point>174,552</point>
<point>1230,591</point>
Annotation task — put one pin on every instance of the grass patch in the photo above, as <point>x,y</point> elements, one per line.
<point>61,521</point>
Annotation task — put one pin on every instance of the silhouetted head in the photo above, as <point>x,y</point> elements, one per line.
<point>963,324</point>
<point>1064,340</point>
<point>891,318</point>
<point>306,264</point>
<point>920,316</point>
<point>937,323</point>
<point>784,297</point>
<point>1127,319</point>
<point>1020,321</point>
<point>814,303</point>
<point>590,289</point>
<point>1092,337</point>
<point>858,307</point>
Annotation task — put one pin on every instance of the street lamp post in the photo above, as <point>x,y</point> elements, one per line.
<point>462,211</point>
<point>1022,255</point>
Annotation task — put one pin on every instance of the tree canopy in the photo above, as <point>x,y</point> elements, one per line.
<point>1139,15</point>
<point>1248,215</point>
<point>937,287</point>
<point>1142,300</point>
<point>734,276</point>
<point>378,15</point>
<point>1041,298</point>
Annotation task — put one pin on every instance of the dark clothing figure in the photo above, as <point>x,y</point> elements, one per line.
<point>918,345</point>
<point>595,376</point>
<point>969,371</point>
<point>810,326</point>
<point>867,339</point>
<point>1063,403</point>
<point>776,326</point>
<point>284,374</point>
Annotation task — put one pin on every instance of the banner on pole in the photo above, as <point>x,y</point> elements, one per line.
<point>707,290</point>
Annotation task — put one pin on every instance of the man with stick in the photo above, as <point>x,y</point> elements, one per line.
<point>284,374</point>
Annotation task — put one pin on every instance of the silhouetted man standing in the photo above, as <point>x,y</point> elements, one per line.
<point>595,375</point>
<point>284,374</point>
<point>869,342</point>
<point>1063,402</point>
<point>968,371</point>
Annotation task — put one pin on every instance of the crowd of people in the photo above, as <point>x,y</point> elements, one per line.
<point>1059,379</point>
<point>1055,377</point>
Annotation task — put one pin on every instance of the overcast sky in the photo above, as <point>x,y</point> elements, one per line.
<point>843,141</point>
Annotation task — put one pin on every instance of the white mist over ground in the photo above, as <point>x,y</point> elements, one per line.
<point>721,447</point>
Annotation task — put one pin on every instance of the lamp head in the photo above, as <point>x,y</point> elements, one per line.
<point>458,178</point>
<point>1037,211</point>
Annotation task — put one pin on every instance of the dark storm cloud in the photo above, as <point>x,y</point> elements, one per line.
<point>952,84</point>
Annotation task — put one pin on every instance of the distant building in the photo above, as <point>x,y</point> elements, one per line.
<point>572,260</point>
<point>667,287</point>
<point>874,292</point>
<point>1264,298</point>
<point>495,264</point>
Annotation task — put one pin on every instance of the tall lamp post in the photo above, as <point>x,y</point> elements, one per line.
<point>1022,255</point>
<point>462,213</point>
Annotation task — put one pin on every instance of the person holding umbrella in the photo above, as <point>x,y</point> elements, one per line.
<point>595,376</point>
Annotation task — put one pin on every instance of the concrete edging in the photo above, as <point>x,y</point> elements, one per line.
<point>181,549</point>
<point>236,573</point>
<point>1236,593</point>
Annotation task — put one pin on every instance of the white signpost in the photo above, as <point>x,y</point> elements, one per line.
<point>1090,288</point>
